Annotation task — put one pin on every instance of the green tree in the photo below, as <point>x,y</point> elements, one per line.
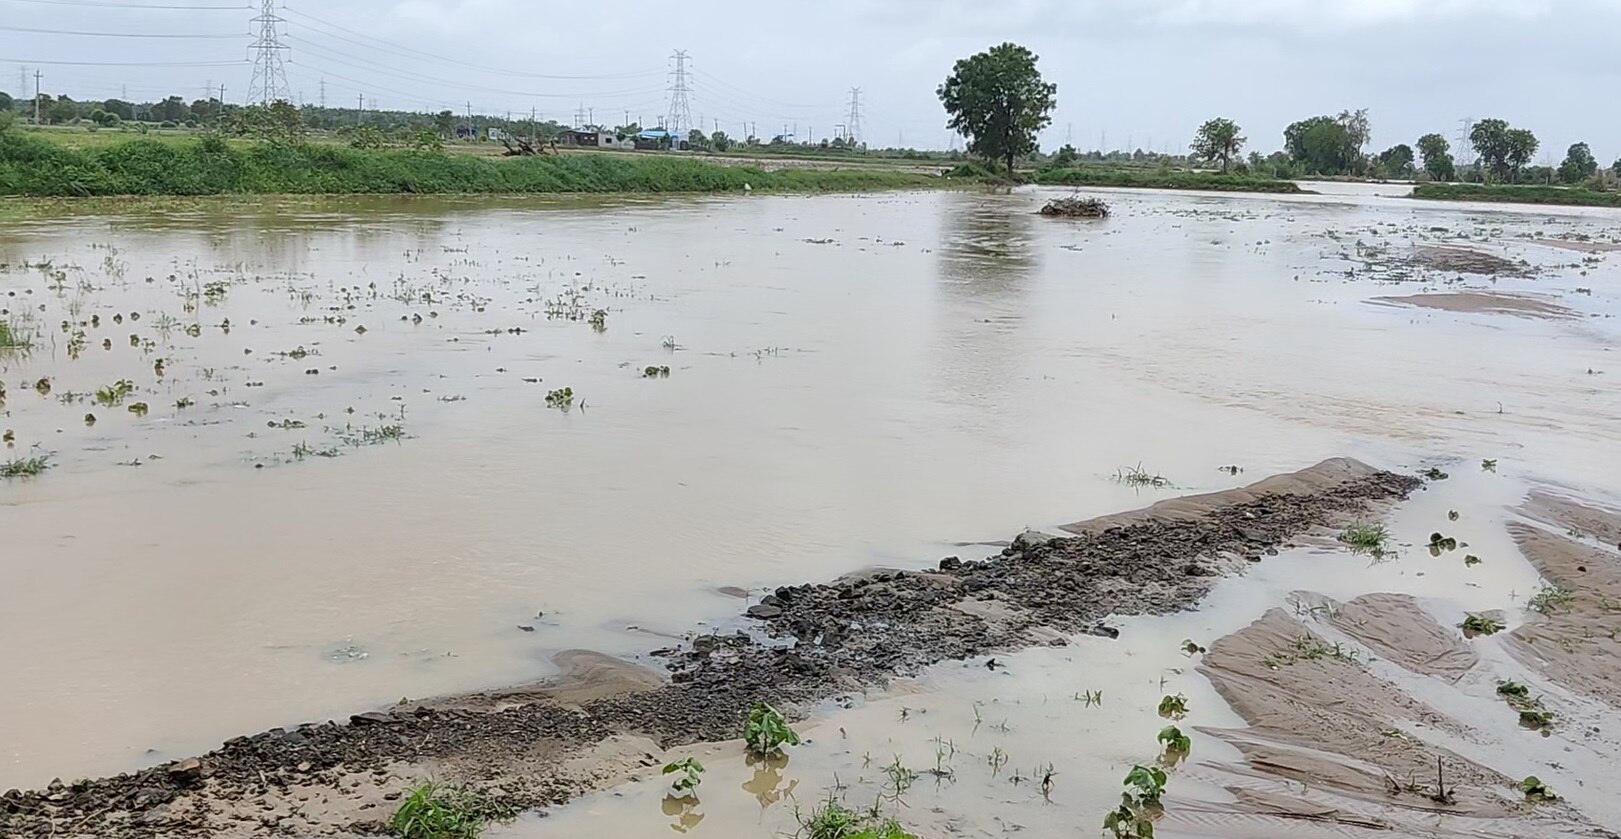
<point>124,110</point>
<point>696,139</point>
<point>1218,139</point>
<point>719,141</point>
<point>1437,156</point>
<point>445,123</point>
<point>628,130</point>
<point>173,109</point>
<point>1579,164</point>
<point>1066,156</point>
<point>1522,146</point>
<point>998,100</point>
<point>63,110</point>
<point>6,101</point>
<point>1490,140</point>
<point>1320,145</point>
<point>1397,161</point>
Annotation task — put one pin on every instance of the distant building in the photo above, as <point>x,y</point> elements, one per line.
<point>658,138</point>
<point>588,139</point>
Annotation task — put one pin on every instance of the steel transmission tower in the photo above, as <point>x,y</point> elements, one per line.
<point>269,70</point>
<point>679,119</point>
<point>852,123</point>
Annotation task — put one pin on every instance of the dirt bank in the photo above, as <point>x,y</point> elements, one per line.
<point>605,721</point>
<point>1395,627</point>
<point>1482,302</point>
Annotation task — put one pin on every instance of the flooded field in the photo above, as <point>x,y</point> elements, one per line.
<point>308,458</point>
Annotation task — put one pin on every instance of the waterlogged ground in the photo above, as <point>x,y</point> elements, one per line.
<point>347,486</point>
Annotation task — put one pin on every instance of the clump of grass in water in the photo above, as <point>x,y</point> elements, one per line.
<point>29,467</point>
<point>12,337</point>
<point>660,372</point>
<point>1366,538</point>
<point>1549,598</point>
<point>432,811</point>
<point>833,820</point>
<point>1479,625</point>
<point>368,436</point>
<point>113,395</point>
<point>562,399</point>
<point>1136,476</point>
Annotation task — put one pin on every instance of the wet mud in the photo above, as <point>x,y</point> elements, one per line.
<point>1482,302</point>
<point>603,721</point>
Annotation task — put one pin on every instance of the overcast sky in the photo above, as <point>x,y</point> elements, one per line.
<point>1143,72</point>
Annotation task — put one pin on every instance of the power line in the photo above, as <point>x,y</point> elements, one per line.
<point>112,34</point>
<point>269,82</point>
<point>129,63</point>
<point>458,62</point>
<point>104,4</point>
<point>680,116</point>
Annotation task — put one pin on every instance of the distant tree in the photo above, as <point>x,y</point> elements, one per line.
<point>998,100</point>
<point>173,109</point>
<point>696,139</point>
<point>207,110</point>
<point>1218,139</point>
<point>1437,157</point>
<point>1522,146</point>
<point>628,130</point>
<point>1579,164</point>
<point>1256,160</point>
<point>124,110</point>
<point>444,122</point>
<point>1615,170</point>
<point>63,110</point>
<point>1321,145</point>
<point>5,101</point>
<point>1397,161</point>
<point>1490,140</point>
<point>1066,156</point>
<point>719,141</point>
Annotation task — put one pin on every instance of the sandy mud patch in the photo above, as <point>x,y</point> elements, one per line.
<point>1482,302</point>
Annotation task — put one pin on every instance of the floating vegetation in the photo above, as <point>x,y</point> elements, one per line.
<point>1439,543</point>
<point>113,395</point>
<point>138,408</point>
<point>1434,474</point>
<point>599,320</point>
<point>1173,707</point>
<point>1366,538</point>
<point>1488,465</point>
<point>766,731</point>
<point>1136,476</point>
<point>369,436</point>
<point>562,399</point>
<point>433,811</point>
<point>660,372</point>
<point>688,774</point>
<point>1536,791</point>
<point>1075,206</point>
<point>28,467</point>
<point>1474,625</point>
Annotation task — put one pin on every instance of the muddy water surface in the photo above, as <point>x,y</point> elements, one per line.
<point>854,381</point>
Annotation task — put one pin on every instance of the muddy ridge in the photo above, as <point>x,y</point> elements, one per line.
<point>534,747</point>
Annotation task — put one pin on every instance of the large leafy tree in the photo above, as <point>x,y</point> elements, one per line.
<point>5,101</point>
<point>1579,164</point>
<point>1522,146</point>
<point>998,100</point>
<point>1490,140</point>
<point>1321,145</point>
<point>1437,157</point>
<point>1397,161</point>
<point>1218,139</point>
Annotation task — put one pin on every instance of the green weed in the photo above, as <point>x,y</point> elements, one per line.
<point>562,399</point>
<point>1474,625</point>
<point>1366,538</point>
<point>29,467</point>
<point>833,820</point>
<point>1536,791</point>
<point>766,731</point>
<point>113,395</point>
<point>1136,476</point>
<point>1549,599</point>
<point>660,372</point>
<point>1173,707</point>
<point>432,811</point>
<point>688,774</point>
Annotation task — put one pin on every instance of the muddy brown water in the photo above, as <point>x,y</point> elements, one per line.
<point>855,381</point>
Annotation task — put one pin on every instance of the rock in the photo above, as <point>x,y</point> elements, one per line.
<point>771,600</point>
<point>371,718</point>
<point>1103,630</point>
<point>763,611</point>
<point>950,563</point>
<point>526,627</point>
<point>186,772</point>
<point>1031,539</point>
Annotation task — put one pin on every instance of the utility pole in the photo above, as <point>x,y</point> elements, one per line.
<point>852,123</point>
<point>269,68</point>
<point>680,115</point>
<point>36,97</point>
<point>222,95</point>
<point>531,125</point>
<point>360,109</point>
<point>323,94</point>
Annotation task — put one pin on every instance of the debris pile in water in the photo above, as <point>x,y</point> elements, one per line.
<point>1076,207</point>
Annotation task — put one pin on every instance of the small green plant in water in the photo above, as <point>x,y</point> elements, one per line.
<point>599,320</point>
<point>660,372</point>
<point>1439,543</point>
<point>1471,559</point>
<point>1488,465</point>
<point>562,399</point>
<point>688,774</point>
<point>113,395</point>
<point>1173,707</point>
<point>1479,625</point>
<point>1137,476</point>
<point>1511,688</point>
<point>1434,474</point>
<point>1139,804</point>
<point>766,731</point>
<point>29,467</point>
<point>1191,648</point>
<point>1536,791</point>
<point>1366,538</point>
<point>432,811</point>
<point>1549,598</point>
<point>1174,740</point>
<point>833,820</point>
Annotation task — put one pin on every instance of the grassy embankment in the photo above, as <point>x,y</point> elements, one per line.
<point>1147,178</point>
<point>31,166</point>
<point>1518,194</point>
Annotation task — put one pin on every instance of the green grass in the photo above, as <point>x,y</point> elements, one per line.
<point>832,820</point>
<point>433,811</point>
<point>28,467</point>
<point>1161,179</point>
<point>12,338</point>
<point>1517,194</point>
<point>31,166</point>
<point>1366,538</point>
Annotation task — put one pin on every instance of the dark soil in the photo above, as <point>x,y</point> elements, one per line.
<point>809,643</point>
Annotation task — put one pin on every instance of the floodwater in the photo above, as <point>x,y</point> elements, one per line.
<point>854,381</point>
